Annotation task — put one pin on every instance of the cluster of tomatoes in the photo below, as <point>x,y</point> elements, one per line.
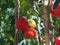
<point>27,26</point>
<point>55,13</point>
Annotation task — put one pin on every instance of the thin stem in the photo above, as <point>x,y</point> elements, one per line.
<point>16,16</point>
<point>29,42</point>
<point>24,41</point>
<point>37,39</point>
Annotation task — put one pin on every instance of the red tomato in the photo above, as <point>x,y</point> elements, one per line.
<point>57,40</point>
<point>30,33</point>
<point>22,23</point>
<point>56,12</point>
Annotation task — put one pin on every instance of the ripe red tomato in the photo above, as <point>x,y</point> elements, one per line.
<point>56,12</point>
<point>30,33</point>
<point>32,23</point>
<point>22,23</point>
<point>57,40</point>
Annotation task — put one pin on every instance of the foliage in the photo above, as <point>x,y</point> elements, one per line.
<point>7,20</point>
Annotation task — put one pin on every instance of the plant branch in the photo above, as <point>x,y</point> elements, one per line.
<point>16,17</point>
<point>46,22</point>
